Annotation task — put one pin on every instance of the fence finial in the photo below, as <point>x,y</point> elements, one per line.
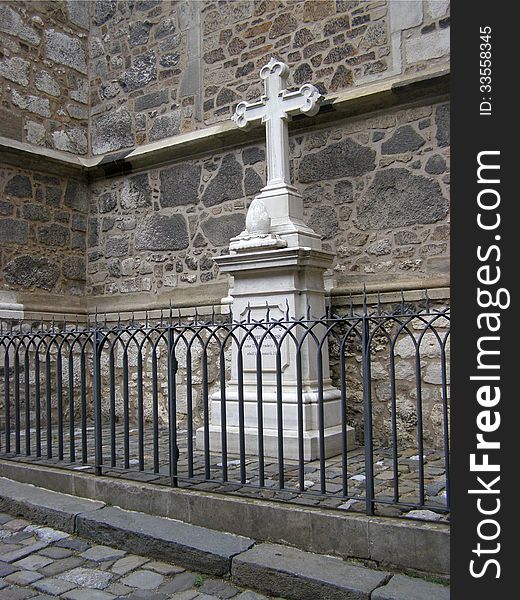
<point>287,309</point>
<point>378,304</point>
<point>248,312</point>
<point>171,314</point>
<point>427,301</point>
<point>351,305</point>
<point>365,309</point>
<point>162,316</point>
<point>267,311</point>
<point>402,301</point>
<point>213,315</point>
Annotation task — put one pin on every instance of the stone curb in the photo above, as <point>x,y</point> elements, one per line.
<point>193,547</point>
<point>54,509</point>
<point>269,568</point>
<point>293,573</point>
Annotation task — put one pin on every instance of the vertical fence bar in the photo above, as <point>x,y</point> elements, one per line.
<point>343,400</point>
<point>83,398</point>
<point>72,425</point>
<point>279,414</point>
<point>17,400</point>
<point>140,409</point>
<point>189,409</point>
<point>7,404</point>
<point>172,408</point>
<point>393,403</point>
<point>321,417</point>
<point>37,403</point>
<point>27,392</point>
<point>367,413</point>
<point>446,431</point>
<point>420,441</point>
<point>59,399</point>
<point>241,423</point>
<point>112,395</point>
<point>223,414</point>
<point>155,412</point>
<point>126,411</point>
<point>48,400</point>
<point>260,416</point>
<point>97,342</point>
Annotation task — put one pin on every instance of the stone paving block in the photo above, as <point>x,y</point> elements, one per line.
<point>80,594</point>
<point>13,592</point>
<point>248,595</point>
<point>186,595</point>
<point>53,586</point>
<point>191,546</point>
<point>180,583</point>
<point>143,579</point>
<point>101,553</point>
<point>90,578</point>
<point>219,588</point>
<point>61,565</point>
<point>299,575</point>
<point>128,563</point>
<point>164,568</point>
<point>401,587</point>
<point>43,506</point>
<point>23,577</point>
<point>33,562</point>
<point>6,568</point>
<point>22,551</point>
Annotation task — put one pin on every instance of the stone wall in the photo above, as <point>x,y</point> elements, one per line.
<point>158,69</point>
<point>44,86</point>
<point>43,230</point>
<point>375,188</point>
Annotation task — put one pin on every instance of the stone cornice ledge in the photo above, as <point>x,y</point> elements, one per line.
<point>368,98</point>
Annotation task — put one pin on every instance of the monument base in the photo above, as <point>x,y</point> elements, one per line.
<point>332,437</point>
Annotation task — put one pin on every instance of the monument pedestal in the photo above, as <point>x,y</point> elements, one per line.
<point>283,281</point>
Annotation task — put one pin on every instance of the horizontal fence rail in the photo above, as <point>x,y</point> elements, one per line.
<point>213,402</point>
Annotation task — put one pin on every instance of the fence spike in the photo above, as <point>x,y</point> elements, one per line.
<point>378,304</point>
<point>118,318</point>
<point>179,316</point>
<point>402,301</point>
<point>162,317</point>
<point>308,311</point>
<point>351,305</point>
<point>365,309</point>
<point>146,318</point>
<point>213,315</point>
<point>171,313</point>
<point>105,321</point>
<point>267,311</point>
<point>287,310</point>
<point>427,300</point>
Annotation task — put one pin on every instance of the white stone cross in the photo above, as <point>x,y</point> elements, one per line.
<point>275,109</point>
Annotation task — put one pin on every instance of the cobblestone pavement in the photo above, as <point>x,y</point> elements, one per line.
<point>406,471</point>
<point>41,563</point>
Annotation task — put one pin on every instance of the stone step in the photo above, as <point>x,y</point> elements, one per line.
<point>293,573</point>
<point>44,506</point>
<point>196,548</point>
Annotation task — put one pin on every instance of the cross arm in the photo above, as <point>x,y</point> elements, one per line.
<point>248,113</point>
<point>307,100</point>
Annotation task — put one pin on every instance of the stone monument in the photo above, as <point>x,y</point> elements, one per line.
<point>277,264</point>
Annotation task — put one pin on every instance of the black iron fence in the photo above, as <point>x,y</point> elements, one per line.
<point>350,410</point>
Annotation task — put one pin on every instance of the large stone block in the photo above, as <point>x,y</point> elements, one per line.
<point>19,186</point>
<point>166,125</point>
<point>54,235</point>
<point>112,131</point>
<point>73,267</point>
<point>180,184</point>
<point>11,23</point>
<point>219,230</point>
<point>142,71</point>
<point>162,232</point>
<point>28,271</point>
<point>104,10</point>
<point>401,587</point>
<point>226,184</point>
<point>65,50</point>
<point>405,139</point>
<point>136,192</point>
<point>342,159</point>
<point>13,231</point>
<point>397,198</point>
<point>151,100</point>
<point>15,69</point>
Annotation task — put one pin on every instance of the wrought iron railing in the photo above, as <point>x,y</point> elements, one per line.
<point>162,394</point>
